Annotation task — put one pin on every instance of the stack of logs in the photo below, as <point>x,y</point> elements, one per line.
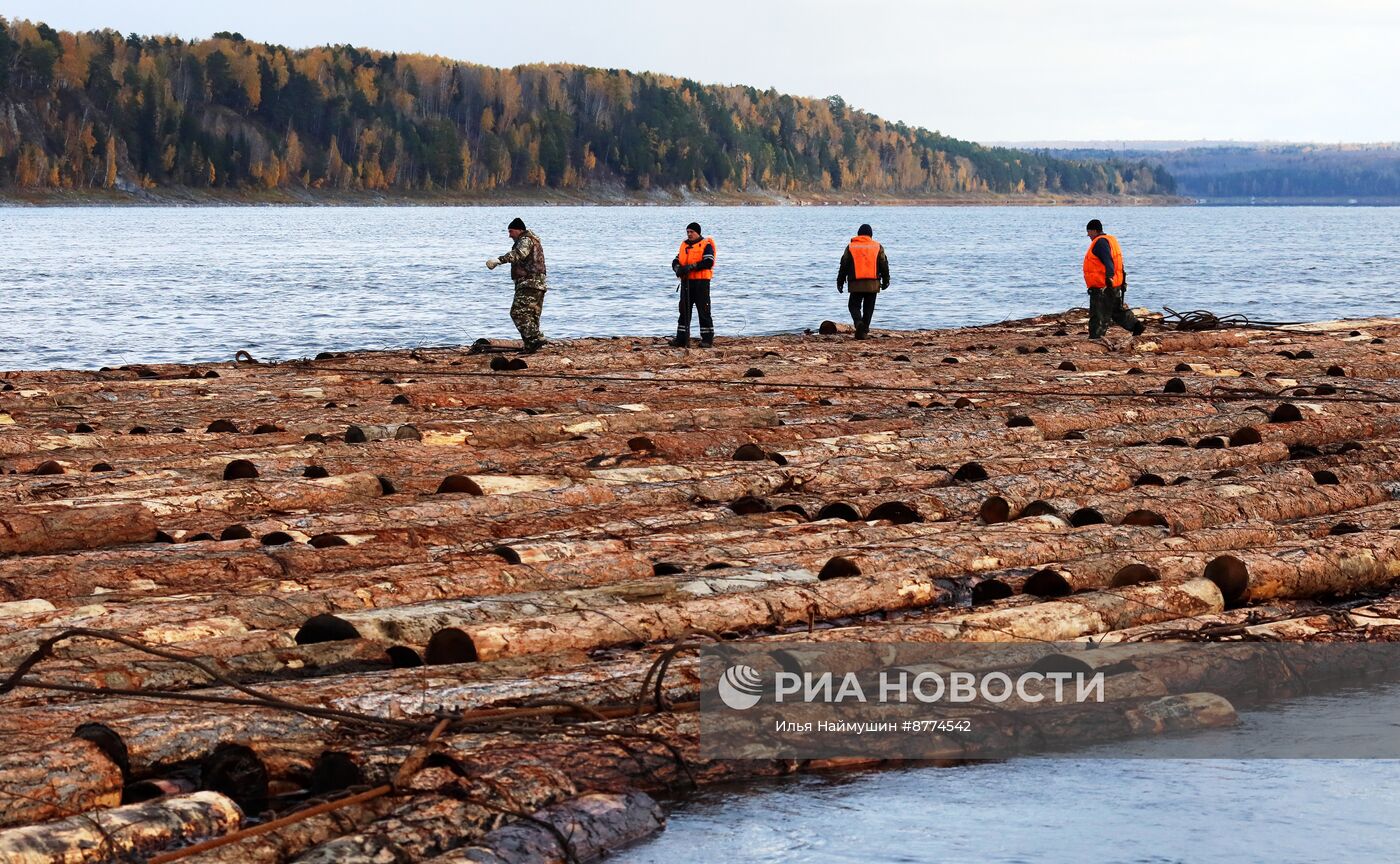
<point>409,606</point>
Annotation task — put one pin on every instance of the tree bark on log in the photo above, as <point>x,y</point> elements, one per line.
<point>1056,620</point>
<point>55,527</point>
<point>1333,565</point>
<point>593,825</point>
<point>64,779</point>
<point>123,832</point>
<point>474,800</point>
<point>650,622</point>
<point>289,841</point>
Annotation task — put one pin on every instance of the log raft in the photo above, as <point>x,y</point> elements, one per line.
<point>406,605</point>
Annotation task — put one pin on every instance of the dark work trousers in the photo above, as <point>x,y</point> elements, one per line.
<point>696,292</point>
<point>1106,307</point>
<point>862,306</point>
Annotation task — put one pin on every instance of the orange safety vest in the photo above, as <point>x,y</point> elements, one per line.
<point>1094,272</point>
<point>693,253</point>
<point>865,254</point>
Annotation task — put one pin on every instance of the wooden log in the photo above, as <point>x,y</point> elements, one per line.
<point>55,527</point>
<point>417,623</point>
<point>1339,565</point>
<point>122,832</point>
<point>189,566</point>
<point>65,779</point>
<point>289,841</point>
<point>649,622</point>
<point>1057,620</point>
<point>1225,502</point>
<point>131,670</point>
<point>1174,559</point>
<point>431,824</point>
<point>1176,342</point>
<point>593,825</point>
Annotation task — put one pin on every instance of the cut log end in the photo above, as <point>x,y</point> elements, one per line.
<point>1146,519</point>
<point>972,472</point>
<point>506,554</point>
<point>748,505</point>
<point>1038,508</point>
<point>749,453</point>
<point>995,510</point>
<point>1048,582</point>
<point>895,511</point>
<point>334,771</point>
<point>1134,574</point>
<point>1086,516</point>
<point>458,484</point>
<point>1244,436</point>
<point>325,628</point>
<point>989,591</point>
<point>403,657</point>
<point>838,568</point>
<point>236,771</point>
<point>1231,576</point>
<point>450,645</point>
<point>839,510</point>
<point>240,469</point>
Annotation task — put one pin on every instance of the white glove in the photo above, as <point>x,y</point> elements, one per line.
<point>492,263</point>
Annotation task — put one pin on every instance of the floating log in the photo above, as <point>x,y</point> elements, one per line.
<point>592,825</point>
<point>122,832</point>
<point>649,622</point>
<point>1331,566</point>
<point>70,777</point>
<point>55,527</point>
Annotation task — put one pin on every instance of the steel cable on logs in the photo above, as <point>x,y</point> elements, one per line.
<point>1203,319</point>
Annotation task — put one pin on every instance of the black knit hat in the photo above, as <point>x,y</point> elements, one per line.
<point>693,226</point>
<point>865,231</point>
<point>1094,225</point>
<point>517,223</point>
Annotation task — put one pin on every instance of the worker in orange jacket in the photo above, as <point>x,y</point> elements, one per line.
<point>695,265</point>
<point>1107,283</point>
<point>867,270</point>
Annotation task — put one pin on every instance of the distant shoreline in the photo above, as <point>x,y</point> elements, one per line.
<point>605,197</point>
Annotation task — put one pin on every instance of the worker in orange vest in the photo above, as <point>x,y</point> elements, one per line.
<point>866,268</point>
<point>695,265</point>
<point>1107,282</point>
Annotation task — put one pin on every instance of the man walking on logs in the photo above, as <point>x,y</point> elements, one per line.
<point>866,268</point>
<point>526,260</point>
<point>695,265</point>
<point>1107,282</point>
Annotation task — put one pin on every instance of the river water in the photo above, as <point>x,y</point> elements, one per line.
<point>87,287</point>
<point>1117,803</point>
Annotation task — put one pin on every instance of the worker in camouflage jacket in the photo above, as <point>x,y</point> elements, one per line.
<point>526,260</point>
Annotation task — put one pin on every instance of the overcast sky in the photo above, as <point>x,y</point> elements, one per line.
<point>992,70</point>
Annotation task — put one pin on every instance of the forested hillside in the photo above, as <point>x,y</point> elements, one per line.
<point>98,110</point>
<point>1274,171</point>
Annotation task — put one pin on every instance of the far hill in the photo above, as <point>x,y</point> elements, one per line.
<point>1266,172</point>
<point>227,117</point>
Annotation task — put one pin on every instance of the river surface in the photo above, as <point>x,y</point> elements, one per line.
<point>87,287</point>
<point>1094,808</point>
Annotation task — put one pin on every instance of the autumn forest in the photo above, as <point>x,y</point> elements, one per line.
<point>102,111</point>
